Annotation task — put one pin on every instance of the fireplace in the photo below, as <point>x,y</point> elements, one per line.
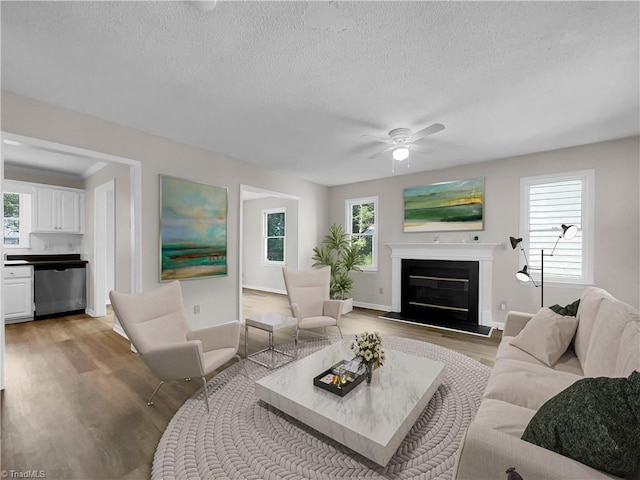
<point>440,291</point>
<point>477,319</point>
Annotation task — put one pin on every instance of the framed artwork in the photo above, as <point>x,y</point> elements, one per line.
<point>193,229</point>
<point>447,206</point>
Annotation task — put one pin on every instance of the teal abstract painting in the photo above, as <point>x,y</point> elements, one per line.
<point>193,229</point>
<point>447,206</point>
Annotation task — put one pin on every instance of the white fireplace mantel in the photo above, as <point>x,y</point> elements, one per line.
<point>480,252</point>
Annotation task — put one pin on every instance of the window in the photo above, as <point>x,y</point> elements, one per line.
<point>361,219</point>
<point>548,202</point>
<point>274,229</point>
<point>17,220</point>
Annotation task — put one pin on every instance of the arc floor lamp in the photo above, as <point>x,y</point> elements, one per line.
<point>568,232</point>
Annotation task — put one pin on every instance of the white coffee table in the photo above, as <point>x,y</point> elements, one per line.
<point>269,322</point>
<point>371,420</point>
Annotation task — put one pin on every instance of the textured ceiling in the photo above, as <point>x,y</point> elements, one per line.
<point>293,86</point>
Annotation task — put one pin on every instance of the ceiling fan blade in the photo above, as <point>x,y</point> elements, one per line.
<point>422,150</point>
<point>376,139</point>
<point>381,152</point>
<point>364,148</point>
<point>422,141</point>
<point>435,128</point>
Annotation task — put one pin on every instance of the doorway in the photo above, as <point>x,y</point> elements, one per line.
<point>45,151</point>
<point>256,271</point>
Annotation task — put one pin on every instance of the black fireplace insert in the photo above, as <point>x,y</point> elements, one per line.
<point>440,291</point>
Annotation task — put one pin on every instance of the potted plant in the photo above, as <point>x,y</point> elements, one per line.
<point>343,257</point>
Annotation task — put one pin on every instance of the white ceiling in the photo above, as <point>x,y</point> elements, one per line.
<point>293,86</point>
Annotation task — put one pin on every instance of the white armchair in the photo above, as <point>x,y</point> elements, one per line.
<point>156,326</point>
<point>309,299</point>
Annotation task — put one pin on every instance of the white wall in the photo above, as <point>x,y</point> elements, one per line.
<point>256,273</point>
<point>218,297</point>
<point>13,172</point>
<point>122,179</point>
<point>617,260</point>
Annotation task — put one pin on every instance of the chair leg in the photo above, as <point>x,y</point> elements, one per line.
<point>150,402</point>
<point>244,366</point>
<point>339,330</point>
<point>295,343</point>
<point>206,396</point>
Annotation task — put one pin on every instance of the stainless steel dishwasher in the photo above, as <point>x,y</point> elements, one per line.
<point>60,290</point>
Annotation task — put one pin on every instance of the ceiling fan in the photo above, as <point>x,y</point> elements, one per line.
<point>401,141</point>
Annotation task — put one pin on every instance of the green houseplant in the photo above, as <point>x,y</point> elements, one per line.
<point>342,256</point>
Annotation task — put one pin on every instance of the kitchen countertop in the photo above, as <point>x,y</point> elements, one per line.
<point>45,261</point>
<point>13,263</point>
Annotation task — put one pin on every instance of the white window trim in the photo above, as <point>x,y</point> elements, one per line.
<point>24,219</point>
<point>348,204</point>
<point>588,212</point>
<point>265,212</point>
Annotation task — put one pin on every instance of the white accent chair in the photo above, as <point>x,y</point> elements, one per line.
<point>309,300</point>
<point>156,325</point>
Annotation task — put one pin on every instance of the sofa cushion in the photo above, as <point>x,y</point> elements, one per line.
<point>606,340</point>
<point>546,336</point>
<point>629,355</point>
<point>568,362</point>
<point>595,421</point>
<point>590,300</point>
<point>526,384</point>
<point>504,417</point>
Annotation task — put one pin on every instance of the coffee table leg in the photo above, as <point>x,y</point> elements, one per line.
<point>246,338</point>
<point>273,359</point>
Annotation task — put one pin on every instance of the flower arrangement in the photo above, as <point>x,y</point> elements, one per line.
<point>368,346</point>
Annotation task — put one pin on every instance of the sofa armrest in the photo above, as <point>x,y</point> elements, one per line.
<point>175,361</point>
<point>515,322</point>
<point>486,454</point>
<point>226,335</point>
<point>332,308</point>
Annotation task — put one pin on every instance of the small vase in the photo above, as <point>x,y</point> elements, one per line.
<point>368,372</point>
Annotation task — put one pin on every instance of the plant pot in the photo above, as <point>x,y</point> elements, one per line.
<point>347,305</point>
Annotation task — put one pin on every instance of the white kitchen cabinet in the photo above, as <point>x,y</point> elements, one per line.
<point>18,293</point>
<point>58,211</point>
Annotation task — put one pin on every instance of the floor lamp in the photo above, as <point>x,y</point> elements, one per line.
<point>568,232</point>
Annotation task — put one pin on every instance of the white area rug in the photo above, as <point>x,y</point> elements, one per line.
<point>245,439</point>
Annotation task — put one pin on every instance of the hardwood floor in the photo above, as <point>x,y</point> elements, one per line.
<point>75,407</point>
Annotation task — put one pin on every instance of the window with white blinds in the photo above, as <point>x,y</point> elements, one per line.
<point>548,202</point>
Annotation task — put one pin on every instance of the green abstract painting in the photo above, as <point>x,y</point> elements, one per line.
<point>447,206</point>
<point>193,229</point>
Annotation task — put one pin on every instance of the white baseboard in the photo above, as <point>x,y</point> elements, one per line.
<point>497,325</point>
<point>372,306</point>
<point>265,289</point>
<point>90,312</point>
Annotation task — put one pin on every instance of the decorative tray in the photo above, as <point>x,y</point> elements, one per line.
<point>341,378</point>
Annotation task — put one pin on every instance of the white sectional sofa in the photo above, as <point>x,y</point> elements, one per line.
<point>606,344</point>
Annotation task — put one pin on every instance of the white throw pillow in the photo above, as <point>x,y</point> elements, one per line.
<point>546,336</point>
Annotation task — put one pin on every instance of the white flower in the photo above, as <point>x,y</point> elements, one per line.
<point>368,346</point>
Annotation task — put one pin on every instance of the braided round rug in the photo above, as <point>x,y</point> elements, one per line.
<point>242,438</point>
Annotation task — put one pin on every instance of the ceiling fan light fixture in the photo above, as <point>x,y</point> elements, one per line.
<point>401,153</point>
<point>203,6</point>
